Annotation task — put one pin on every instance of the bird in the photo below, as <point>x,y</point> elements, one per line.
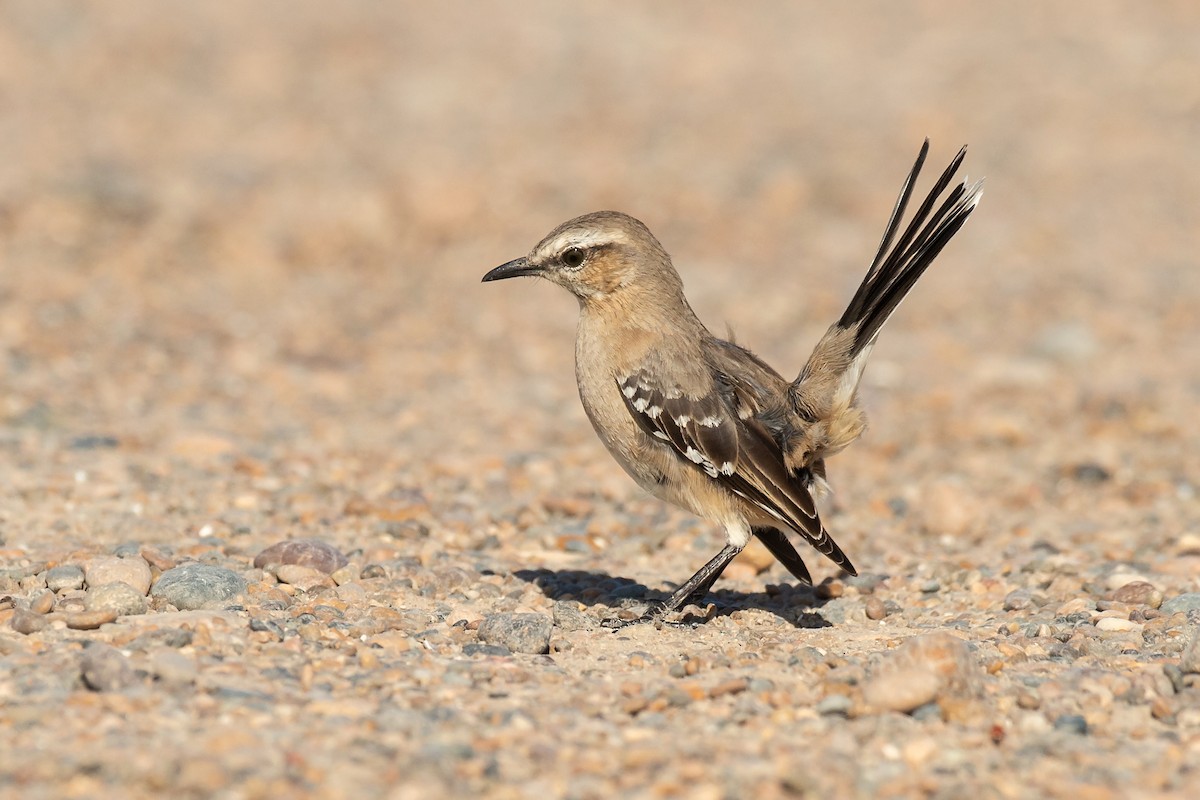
<point>705,424</point>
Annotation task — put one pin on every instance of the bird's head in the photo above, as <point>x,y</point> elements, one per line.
<point>597,256</point>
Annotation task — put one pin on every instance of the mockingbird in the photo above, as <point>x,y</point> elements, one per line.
<point>704,423</point>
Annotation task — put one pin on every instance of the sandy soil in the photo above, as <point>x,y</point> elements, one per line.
<point>240,251</point>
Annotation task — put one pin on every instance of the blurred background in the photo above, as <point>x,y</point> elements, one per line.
<point>252,235</point>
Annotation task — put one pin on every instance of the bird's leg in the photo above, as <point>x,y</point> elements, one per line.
<point>693,588</point>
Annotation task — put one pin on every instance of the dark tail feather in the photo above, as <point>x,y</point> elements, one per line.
<point>896,268</point>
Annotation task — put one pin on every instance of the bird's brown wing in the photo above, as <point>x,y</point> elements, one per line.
<point>708,433</point>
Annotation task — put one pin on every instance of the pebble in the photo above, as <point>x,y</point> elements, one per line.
<point>172,668</point>
<point>921,670</point>
<point>26,622</point>
<point>195,586</point>
<point>1118,579</point>
<point>875,608</point>
<point>90,620</point>
<point>313,553</point>
<point>1138,593</point>
<point>1018,600</point>
<point>1116,624</point>
<point>1189,659</point>
<point>569,618</point>
<point>43,603</point>
<point>64,577</point>
<point>105,669</point>
<point>1072,723</point>
<point>1189,601</point>
<point>118,597</point>
<point>133,571</point>
<point>520,633</point>
<point>834,705</point>
<point>306,578</point>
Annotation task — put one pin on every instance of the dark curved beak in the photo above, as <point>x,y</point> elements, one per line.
<point>513,269</point>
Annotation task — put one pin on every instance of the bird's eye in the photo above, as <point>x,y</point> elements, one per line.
<point>572,258</point>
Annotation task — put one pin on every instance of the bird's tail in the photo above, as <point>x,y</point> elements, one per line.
<point>824,393</point>
<point>898,266</point>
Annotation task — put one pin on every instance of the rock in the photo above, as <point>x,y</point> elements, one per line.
<point>1018,600</point>
<point>902,689</point>
<point>1189,659</point>
<point>1116,624</point>
<point>306,578</point>
<point>1189,601</point>
<point>173,668</point>
<point>105,669</point>
<point>195,586</point>
<point>312,553</point>
<point>1122,578</point>
<point>520,633</point>
<point>480,649</point>
<point>1138,593</point>
<point>43,603</point>
<point>347,574</point>
<point>133,571</point>
<point>924,669</point>
<point>90,620</point>
<point>834,705</point>
<point>27,622</point>
<point>755,555</point>
<point>875,608</point>
<point>118,597</point>
<point>64,577</point>
<point>1072,723</point>
<point>569,618</point>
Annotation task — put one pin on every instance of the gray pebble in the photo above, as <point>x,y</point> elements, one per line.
<point>931,586</point>
<point>1018,600</point>
<point>105,669</point>
<point>118,596</point>
<point>1072,723</point>
<point>193,586</point>
<point>838,704</point>
<point>1189,601</point>
<point>64,577</point>
<point>480,649</point>
<point>569,618</point>
<point>521,633</point>
<point>172,668</point>
<point>1189,660</point>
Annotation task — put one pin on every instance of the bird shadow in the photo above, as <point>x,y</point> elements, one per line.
<point>797,605</point>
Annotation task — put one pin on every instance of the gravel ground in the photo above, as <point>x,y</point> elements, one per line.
<point>240,251</point>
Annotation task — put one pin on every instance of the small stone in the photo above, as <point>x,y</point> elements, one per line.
<point>902,689</point>
<point>875,608</point>
<point>118,597</point>
<point>1116,624</point>
<point>1188,545</point>
<point>1189,601</point>
<point>306,578</point>
<point>173,668</point>
<point>1018,600</point>
<point>834,705</point>
<point>313,553</point>
<point>481,649</point>
<point>89,620</point>
<point>133,571</point>
<point>1122,578</point>
<point>756,556</point>
<point>923,669</point>
<point>1189,659</point>
<point>568,617</point>
<point>43,603</point>
<point>731,686</point>
<point>105,669</point>
<point>64,577</point>
<point>1138,593</point>
<point>347,574</point>
<point>194,586</point>
<point>520,633</point>
<point>1029,700</point>
<point>1072,723</point>
<point>26,622</point>
<point>829,589</point>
